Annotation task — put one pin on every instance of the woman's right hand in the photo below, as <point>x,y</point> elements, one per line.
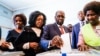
<point>83,47</point>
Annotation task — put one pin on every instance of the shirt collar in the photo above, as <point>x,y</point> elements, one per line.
<point>59,25</point>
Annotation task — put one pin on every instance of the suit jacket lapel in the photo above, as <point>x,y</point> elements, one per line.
<point>57,29</point>
<point>78,26</point>
<point>66,29</point>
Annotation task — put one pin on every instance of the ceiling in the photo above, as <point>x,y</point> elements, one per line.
<point>20,4</point>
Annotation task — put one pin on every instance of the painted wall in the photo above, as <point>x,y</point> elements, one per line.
<point>5,20</point>
<point>70,7</point>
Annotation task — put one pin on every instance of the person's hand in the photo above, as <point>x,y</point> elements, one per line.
<point>83,47</point>
<point>5,44</point>
<point>56,41</point>
<point>33,45</point>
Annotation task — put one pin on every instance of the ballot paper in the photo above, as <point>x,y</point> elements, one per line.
<point>66,48</point>
<point>11,46</point>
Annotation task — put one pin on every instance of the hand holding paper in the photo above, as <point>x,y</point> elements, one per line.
<point>57,41</point>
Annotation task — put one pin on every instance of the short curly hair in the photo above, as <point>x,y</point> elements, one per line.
<point>23,18</point>
<point>94,6</point>
<point>33,16</point>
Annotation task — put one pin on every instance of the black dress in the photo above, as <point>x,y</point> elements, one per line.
<point>11,37</point>
<point>28,35</point>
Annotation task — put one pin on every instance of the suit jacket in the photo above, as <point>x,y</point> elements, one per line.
<point>49,32</point>
<point>75,33</point>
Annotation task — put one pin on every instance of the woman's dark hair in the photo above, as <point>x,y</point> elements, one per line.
<point>33,16</point>
<point>94,6</point>
<point>23,18</point>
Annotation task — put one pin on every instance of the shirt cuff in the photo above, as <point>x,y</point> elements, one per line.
<point>49,44</point>
<point>11,46</point>
<point>26,45</point>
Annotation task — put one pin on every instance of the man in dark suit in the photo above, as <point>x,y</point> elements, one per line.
<point>76,29</point>
<point>52,32</point>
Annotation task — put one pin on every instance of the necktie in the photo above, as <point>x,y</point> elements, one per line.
<point>61,30</point>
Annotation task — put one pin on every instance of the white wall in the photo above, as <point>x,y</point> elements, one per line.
<point>5,20</point>
<point>48,7</point>
<point>71,8</point>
